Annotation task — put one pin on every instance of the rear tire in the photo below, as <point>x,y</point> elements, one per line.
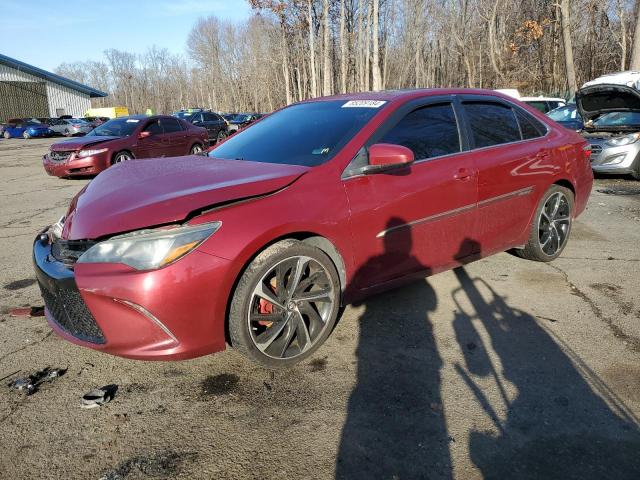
<point>304,287</point>
<point>6,135</point>
<point>550,227</point>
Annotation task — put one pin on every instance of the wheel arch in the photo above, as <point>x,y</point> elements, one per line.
<point>310,238</point>
<point>563,182</point>
<point>116,152</point>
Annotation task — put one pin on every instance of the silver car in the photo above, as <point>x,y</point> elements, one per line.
<point>70,126</point>
<point>611,115</point>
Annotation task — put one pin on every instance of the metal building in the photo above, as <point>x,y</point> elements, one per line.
<point>28,91</point>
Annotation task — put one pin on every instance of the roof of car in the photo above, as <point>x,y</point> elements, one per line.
<point>408,94</point>
<point>542,99</point>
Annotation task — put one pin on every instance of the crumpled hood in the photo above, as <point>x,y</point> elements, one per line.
<point>595,100</point>
<point>78,143</point>
<point>146,193</point>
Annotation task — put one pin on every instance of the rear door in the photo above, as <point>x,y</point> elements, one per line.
<point>512,156</point>
<point>176,138</point>
<point>419,219</point>
<point>213,124</point>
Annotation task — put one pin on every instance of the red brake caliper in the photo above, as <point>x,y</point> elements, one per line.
<point>265,307</point>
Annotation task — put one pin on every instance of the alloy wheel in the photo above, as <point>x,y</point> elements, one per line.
<point>196,149</point>
<point>290,307</point>
<point>122,157</point>
<point>554,223</point>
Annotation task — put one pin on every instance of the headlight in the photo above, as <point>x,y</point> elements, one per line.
<point>624,140</point>
<point>150,249</point>
<point>88,153</point>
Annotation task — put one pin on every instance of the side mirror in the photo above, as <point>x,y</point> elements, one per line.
<point>145,134</point>
<point>386,156</point>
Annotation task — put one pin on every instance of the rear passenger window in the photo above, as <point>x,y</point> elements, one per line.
<point>491,124</point>
<point>170,125</point>
<point>430,131</point>
<point>529,126</point>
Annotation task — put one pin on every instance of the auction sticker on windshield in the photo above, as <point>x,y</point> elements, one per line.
<point>364,104</point>
<point>132,120</point>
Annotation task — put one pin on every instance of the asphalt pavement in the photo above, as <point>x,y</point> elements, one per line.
<point>502,369</point>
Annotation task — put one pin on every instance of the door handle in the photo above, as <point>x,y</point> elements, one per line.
<point>463,174</point>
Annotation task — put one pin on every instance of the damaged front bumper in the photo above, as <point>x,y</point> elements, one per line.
<point>167,314</point>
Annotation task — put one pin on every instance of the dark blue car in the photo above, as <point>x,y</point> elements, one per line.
<point>567,116</point>
<point>26,128</point>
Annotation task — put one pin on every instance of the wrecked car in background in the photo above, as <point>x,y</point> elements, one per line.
<point>610,109</point>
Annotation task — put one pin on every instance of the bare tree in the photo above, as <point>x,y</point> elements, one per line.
<point>568,45</point>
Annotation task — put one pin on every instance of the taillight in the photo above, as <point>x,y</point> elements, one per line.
<point>586,150</point>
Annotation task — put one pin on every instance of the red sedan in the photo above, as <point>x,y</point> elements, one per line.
<point>123,139</point>
<point>261,243</point>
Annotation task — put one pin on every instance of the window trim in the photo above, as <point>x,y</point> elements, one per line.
<point>397,116</point>
<point>162,121</point>
<point>507,103</point>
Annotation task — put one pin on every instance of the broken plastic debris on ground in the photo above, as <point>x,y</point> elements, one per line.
<point>32,383</point>
<point>99,396</point>
<point>27,312</point>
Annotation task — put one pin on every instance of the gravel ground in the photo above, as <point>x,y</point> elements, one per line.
<point>502,369</point>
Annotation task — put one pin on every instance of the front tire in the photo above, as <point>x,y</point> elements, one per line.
<point>196,149</point>
<point>285,305</point>
<point>25,135</point>
<point>221,136</point>
<point>121,157</point>
<point>551,226</point>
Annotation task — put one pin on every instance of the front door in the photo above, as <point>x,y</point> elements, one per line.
<point>421,218</point>
<point>154,145</point>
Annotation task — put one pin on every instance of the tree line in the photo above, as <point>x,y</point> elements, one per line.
<point>291,50</point>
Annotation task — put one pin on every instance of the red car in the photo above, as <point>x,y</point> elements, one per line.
<point>122,139</point>
<point>260,244</point>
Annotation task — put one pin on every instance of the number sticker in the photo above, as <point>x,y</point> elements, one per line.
<point>364,104</point>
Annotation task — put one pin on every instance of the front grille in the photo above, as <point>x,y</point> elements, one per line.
<point>596,149</point>
<point>68,251</point>
<point>59,156</point>
<point>70,312</point>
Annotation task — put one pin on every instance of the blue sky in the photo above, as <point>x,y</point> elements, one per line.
<point>46,33</point>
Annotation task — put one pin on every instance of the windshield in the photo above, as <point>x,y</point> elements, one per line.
<point>303,134</point>
<point>564,114</point>
<point>618,119</point>
<point>238,118</point>
<point>182,115</point>
<point>118,127</point>
<point>77,121</point>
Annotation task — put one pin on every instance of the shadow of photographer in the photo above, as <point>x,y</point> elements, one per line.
<point>395,425</point>
<point>563,422</point>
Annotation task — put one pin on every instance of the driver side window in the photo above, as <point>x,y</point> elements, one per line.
<point>430,131</point>
<point>154,128</point>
